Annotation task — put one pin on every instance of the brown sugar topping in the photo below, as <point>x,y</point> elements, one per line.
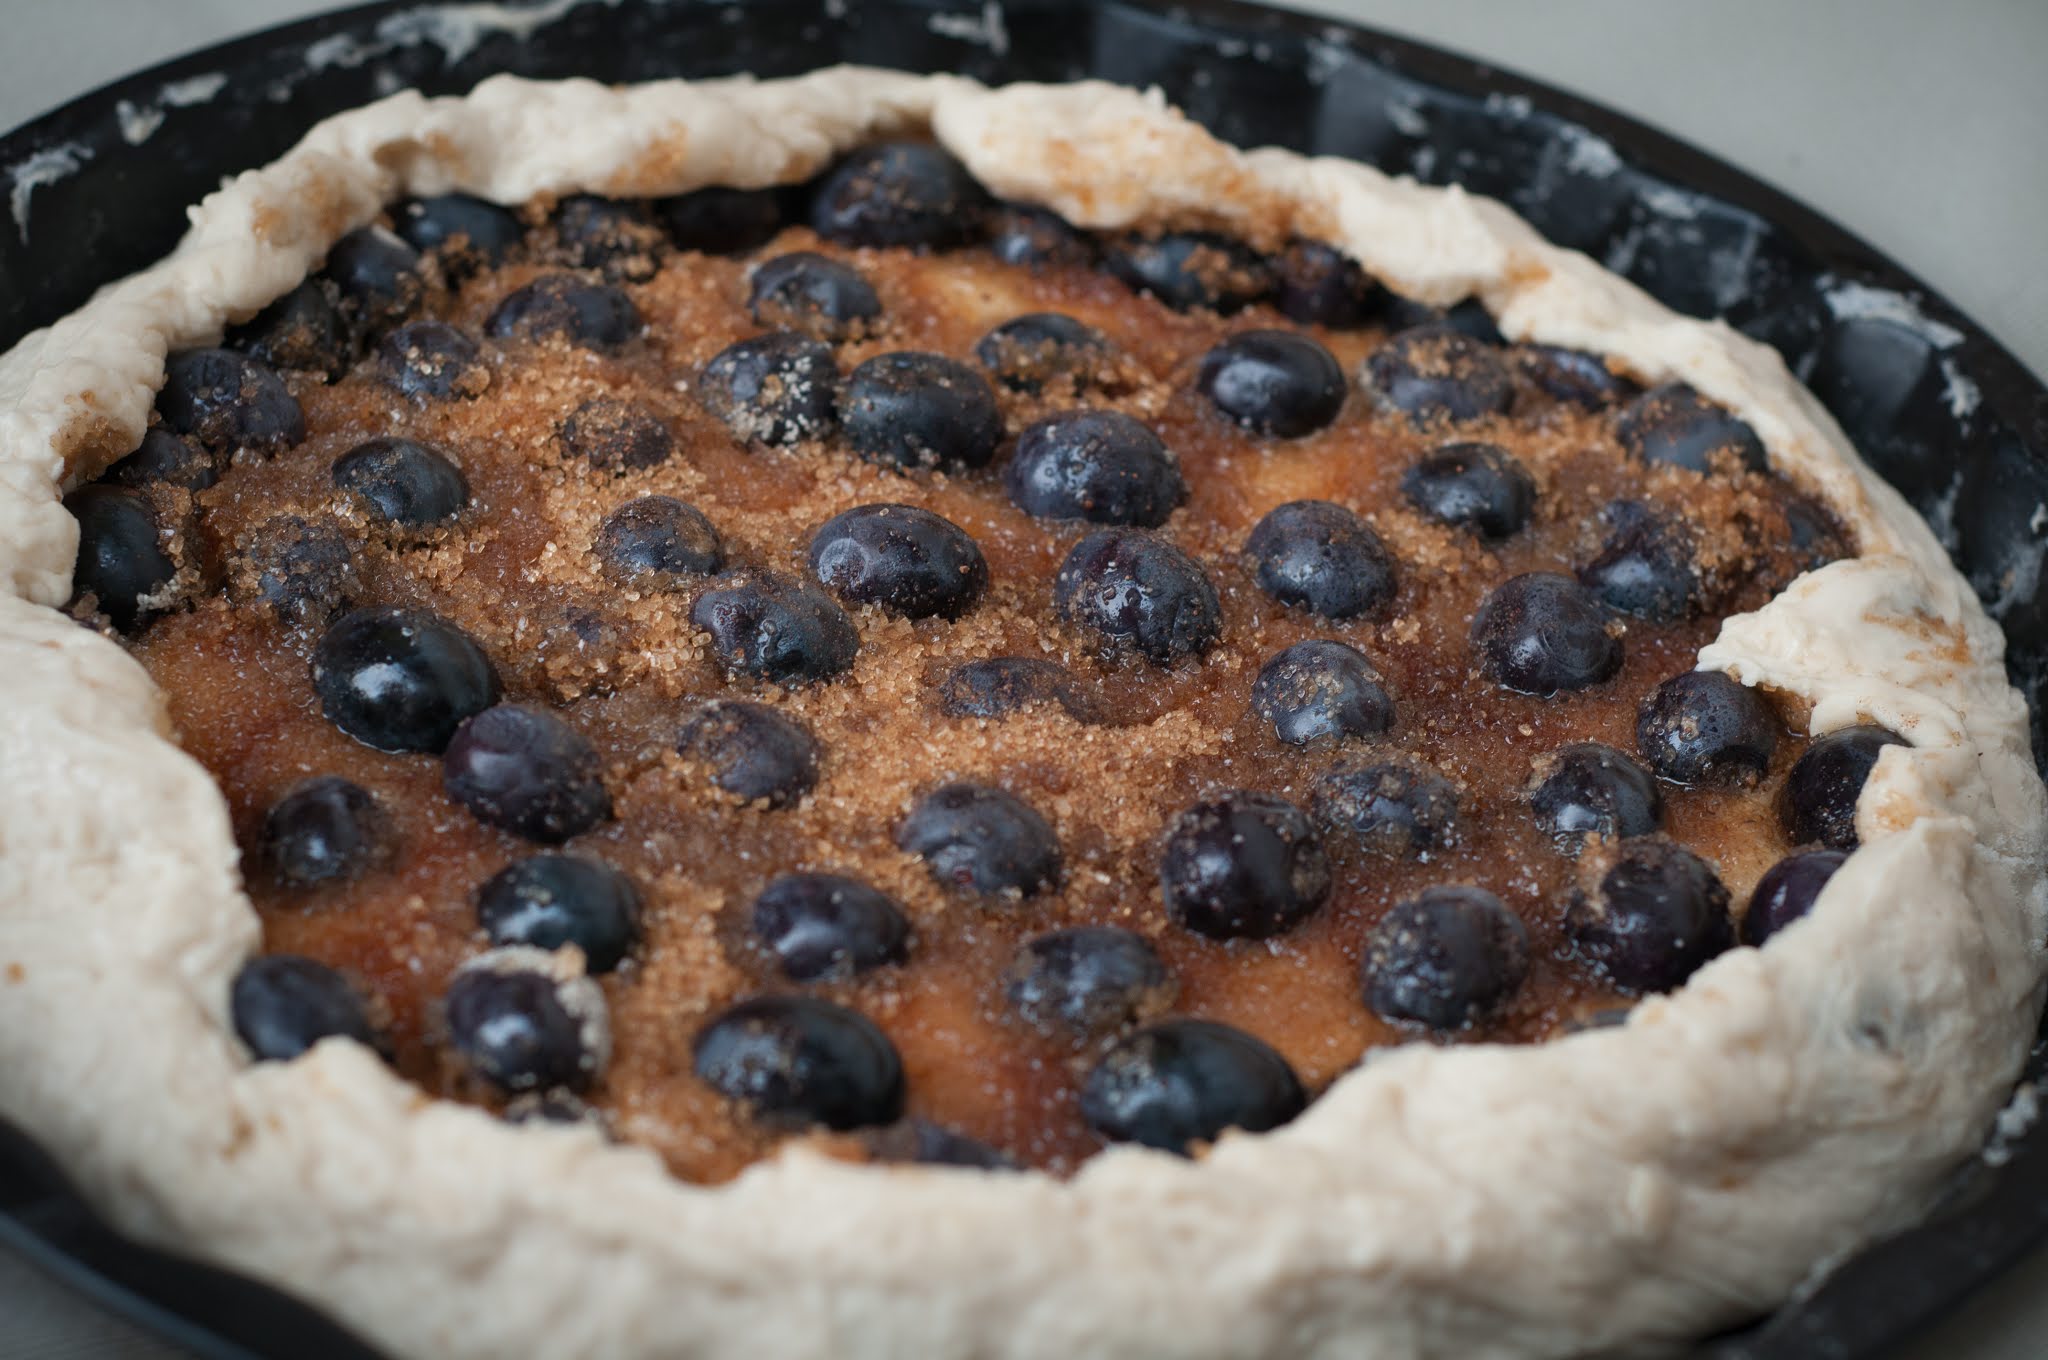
<point>734,757</point>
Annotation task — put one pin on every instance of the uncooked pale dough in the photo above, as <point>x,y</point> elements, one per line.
<point>1624,1188</point>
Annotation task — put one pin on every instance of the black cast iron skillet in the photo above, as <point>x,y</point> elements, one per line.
<point>1936,405</point>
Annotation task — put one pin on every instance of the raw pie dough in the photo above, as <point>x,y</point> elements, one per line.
<point>1626,1188</point>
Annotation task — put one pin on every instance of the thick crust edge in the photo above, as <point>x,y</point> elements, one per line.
<point>1625,1188</point>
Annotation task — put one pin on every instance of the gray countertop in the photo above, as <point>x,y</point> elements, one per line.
<point>1915,125</point>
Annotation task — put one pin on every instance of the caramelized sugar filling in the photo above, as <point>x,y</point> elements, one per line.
<point>1125,747</point>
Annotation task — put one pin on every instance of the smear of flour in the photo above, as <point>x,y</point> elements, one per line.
<point>139,121</point>
<point>1847,299</point>
<point>1666,201</point>
<point>1405,112</point>
<point>342,51</point>
<point>1940,513</point>
<point>1588,153</point>
<point>1957,389</point>
<point>458,29</point>
<point>2014,1120</point>
<point>183,94</point>
<point>48,166</point>
<point>985,29</point>
<point>1326,58</point>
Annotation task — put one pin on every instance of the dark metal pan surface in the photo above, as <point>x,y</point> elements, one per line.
<point>1936,405</point>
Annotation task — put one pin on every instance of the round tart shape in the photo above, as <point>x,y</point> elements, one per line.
<point>1636,1180</point>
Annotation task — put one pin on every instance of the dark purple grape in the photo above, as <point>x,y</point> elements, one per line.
<point>1041,349</point>
<point>378,276</point>
<point>921,1142</point>
<point>401,679</point>
<point>569,308</point>
<point>1273,383</point>
<point>1318,556</point>
<point>1431,373</point>
<point>900,194</point>
<point>981,840</point>
<point>1645,566</point>
<point>1190,269</point>
<point>1321,286</point>
<point>1587,789</point>
<point>1391,808</point>
<point>1787,891</point>
<point>1572,376</point>
<point>1243,866</point>
<point>165,459</point>
<point>828,927</point>
<point>1468,318</point>
<point>302,570</point>
<point>1135,590</point>
<point>753,752</point>
<point>776,629</point>
<point>1473,486</point>
<point>402,482</point>
<point>617,239</point>
<point>550,901</point>
<point>1541,632</point>
<point>121,561</point>
<point>907,409</point>
<point>814,294</point>
<point>617,435</point>
<point>1674,424</point>
<point>1706,727</point>
<point>1036,238</point>
<point>325,830</point>
<point>302,330</point>
<point>1445,959</point>
<point>523,770</point>
<point>1321,690</point>
<point>906,560</point>
<point>1002,685</point>
<point>776,389</point>
<point>1181,1083</point>
<point>227,401</point>
<point>283,1004</point>
<point>1101,466</point>
<point>797,1060</point>
<point>721,221</point>
<point>432,361</point>
<point>1648,915</point>
<point>1818,803</point>
<point>465,231</point>
<point>518,1027</point>
<point>1321,558</point>
<point>658,543</point>
<point>1811,532</point>
<point>1085,981</point>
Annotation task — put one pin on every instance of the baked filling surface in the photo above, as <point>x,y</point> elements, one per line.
<point>953,653</point>
<point>1639,1183</point>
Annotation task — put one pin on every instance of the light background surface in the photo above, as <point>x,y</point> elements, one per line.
<point>1919,126</point>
